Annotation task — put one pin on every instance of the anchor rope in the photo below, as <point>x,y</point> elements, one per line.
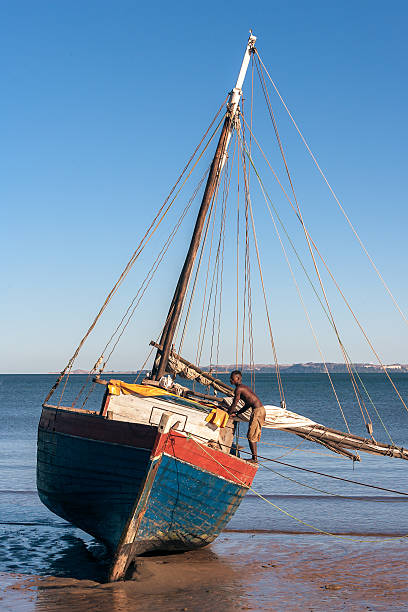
<point>356,482</point>
<point>302,484</point>
<point>297,519</point>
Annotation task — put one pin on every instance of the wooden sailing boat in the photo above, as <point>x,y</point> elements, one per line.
<point>157,468</point>
<point>148,471</point>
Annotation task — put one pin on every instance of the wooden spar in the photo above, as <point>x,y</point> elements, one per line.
<point>210,398</point>
<point>331,446</point>
<point>222,385</point>
<point>173,316</point>
<point>333,439</point>
<point>327,436</point>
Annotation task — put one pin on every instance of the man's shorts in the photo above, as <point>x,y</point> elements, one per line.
<point>256,422</point>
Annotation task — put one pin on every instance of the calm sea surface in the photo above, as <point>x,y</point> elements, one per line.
<point>33,540</point>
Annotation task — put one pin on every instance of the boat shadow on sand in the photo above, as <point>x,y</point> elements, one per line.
<point>48,567</point>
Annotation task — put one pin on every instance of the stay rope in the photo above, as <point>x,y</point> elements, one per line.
<point>201,332</point>
<point>220,268</point>
<point>310,241</point>
<point>219,254</point>
<point>298,520</point>
<point>163,210</point>
<point>302,484</point>
<point>198,266</point>
<point>300,216</point>
<point>193,288</point>
<point>247,290</point>
<point>333,193</point>
<point>237,276</point>
<point>280,385</point>
<point>270,202</point>
<point>131,309</point>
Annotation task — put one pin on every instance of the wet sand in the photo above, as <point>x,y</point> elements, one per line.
<point>240,571</point>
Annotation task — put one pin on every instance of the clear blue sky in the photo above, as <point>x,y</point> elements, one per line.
<point>102,102</point>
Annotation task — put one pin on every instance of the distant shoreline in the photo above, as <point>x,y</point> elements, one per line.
<point>293,368</point>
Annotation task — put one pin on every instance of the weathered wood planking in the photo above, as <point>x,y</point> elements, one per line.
<point>124,552</point>
<point>148,411</point>
<point>97,472</point>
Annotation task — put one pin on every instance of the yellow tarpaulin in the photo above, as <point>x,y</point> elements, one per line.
<point>218,417</point>
<point>116,387</point>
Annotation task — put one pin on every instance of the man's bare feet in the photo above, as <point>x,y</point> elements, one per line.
<point>252,460</point>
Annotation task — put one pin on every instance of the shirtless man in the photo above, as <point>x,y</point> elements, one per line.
<point>252,401</point>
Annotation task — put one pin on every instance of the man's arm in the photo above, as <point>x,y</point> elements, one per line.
<point>237,397</point>
<point>241,411</point>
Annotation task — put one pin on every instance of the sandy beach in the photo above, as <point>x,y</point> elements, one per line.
<point>264,560</point>
<point>239,571</point>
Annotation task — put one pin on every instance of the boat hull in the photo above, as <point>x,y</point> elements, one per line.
<point>91,470</point>
<point>89,481</point>
<point>188,507</point>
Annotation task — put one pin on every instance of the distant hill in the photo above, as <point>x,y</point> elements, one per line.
<point>105,373</point>
<point>317,368</point>
<point>291,368</point>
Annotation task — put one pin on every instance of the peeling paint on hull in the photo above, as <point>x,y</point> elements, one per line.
<point>93,483</point>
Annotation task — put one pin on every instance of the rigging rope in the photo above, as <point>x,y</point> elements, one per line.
<point>146,238</point>
<point>214,202</point>
<point>248,292</point>
<point>220,300</point>
<point>317,529</point>
<point>216,266</point>
<point>218,294</point>
<point>280,385</point>
<point>140,293</point>
<point>310,240</point>
<point>237,279</point>
<point>356,482</point>
<point>300,261</point>
<point>333,193</point>
<point>208,270</point>
<point>193,289</point>
<point>299,214</point>
<point>302,484</point>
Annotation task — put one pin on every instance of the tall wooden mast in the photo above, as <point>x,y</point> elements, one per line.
<point>218,162</point>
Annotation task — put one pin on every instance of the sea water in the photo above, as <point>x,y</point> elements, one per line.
<point>33,540</point>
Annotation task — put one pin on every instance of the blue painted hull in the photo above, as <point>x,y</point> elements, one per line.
<point>92,484</point>
<point>87,478</point>
<point>188,507</point>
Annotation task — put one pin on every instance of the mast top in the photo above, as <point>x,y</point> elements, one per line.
<point>237,91</point>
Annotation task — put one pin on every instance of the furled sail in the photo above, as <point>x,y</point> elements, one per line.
<point>177,365</point>
<point>336,441</point>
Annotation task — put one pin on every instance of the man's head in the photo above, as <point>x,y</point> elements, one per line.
<point>235,377</point>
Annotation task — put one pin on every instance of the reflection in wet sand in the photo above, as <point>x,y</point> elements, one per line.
<point>241,571</point>
<point>197,580</point>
